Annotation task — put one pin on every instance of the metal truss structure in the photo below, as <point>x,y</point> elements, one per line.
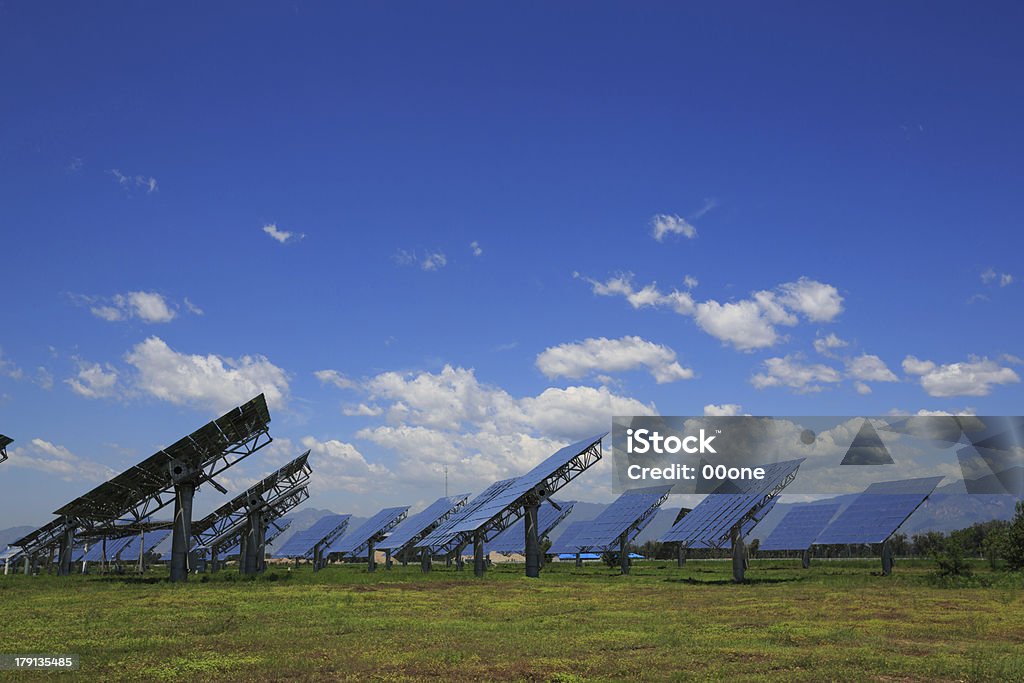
<point>365,538</point>
<point>244,519</point>
<point>4,442</point>
<point>516,498</point>
<point>404,538</point>
<point>171,475</point>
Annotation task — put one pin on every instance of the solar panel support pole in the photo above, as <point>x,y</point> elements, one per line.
<point>681,555</point>
<point>67,543</point>
<point>579,560</point>
<point>805,559</point>
<point>371,557</point>
<point>623,555</point>
<point>425,560</point>
<point>387,559</point>
<point>478,554</point>
<point>886,558</point>
<point>739,554</point>
<point>532,545</point>
<point>181,536</point>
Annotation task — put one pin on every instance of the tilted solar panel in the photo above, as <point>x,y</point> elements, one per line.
<point>513,539</point>
<point>801,525</point>
<point>566,543</point>
<point>153,539</point>
<point>355,542</point>
<point>876,514</point>
<point>96,550</point>
<point>323,531</point>
<point>445,535</point>
<point>524,484</point>
<point>4,442</point>
<point>625,514</point>
<point>710,523</point>
<point>413,528</point>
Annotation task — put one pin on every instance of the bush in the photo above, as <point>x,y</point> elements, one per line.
<point>1013,543</point>
<point>949,559</point>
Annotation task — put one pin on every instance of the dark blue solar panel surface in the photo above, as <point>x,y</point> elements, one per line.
<point>153,539</point>
<point>800,527</point>
<point>538,475</point>
<point>95,552</point>
<point>604,531</point>
<point>445,534</point>
<point>708,525</point>
<point>566,543</point>
<point>356,541</point>
<point>876,514</point>
<point>513,539</point>
<point>413,526</point>
<point>324,529</point>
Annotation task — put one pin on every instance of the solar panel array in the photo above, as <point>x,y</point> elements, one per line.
<point>152,540</point>
<point>799,527</point>
<point>413,528</point>
<point>95,553</point>
<point>4,442</point>
<point>355,542</point>
<point>323,531</point>
<point>709,524</point>
<point>523,485</point>
<point>513,539</point>
<point>236,433</point>
<point>630,512</point>
<point>878,512</point>
<point>566,543</point>
<point>445,538</point>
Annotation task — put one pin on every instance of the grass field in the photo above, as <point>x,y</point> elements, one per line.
<point>836,621</point>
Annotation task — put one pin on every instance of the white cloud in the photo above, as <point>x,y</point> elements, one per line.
<point>336,378</point>
<point>44,378</point>
<point>211,381</point>
<point>192,308</point>
<point>825,345</point>
<point>664,224</point>
<point>94,380</point>
<point>340,465</point>
<point>690,281</point>
<point>791,372</point>
<point>723,410</point>
<point>44,456</point>
<point>869,368</point>
<point>599,355</point>
<point>481,430</point>
<point>149,307</point>
<point>1003,279</point>
<point>430,260</point>
<point>475,247</point>
<point>362,410</point>
<point>862,388</point>
<point>282,236</point>
<point>139,181</point>
<point>975,377</point>
<point>746,324</point>
<point>709,205</point>
<point>8,368</point>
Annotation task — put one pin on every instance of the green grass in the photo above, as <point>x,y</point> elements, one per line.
<point>836,621</point>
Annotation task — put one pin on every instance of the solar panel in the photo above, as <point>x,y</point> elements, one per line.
<point>358,541</point>
<point>146,487</point>
<point>273,532</point>
<point>799,527</point>
<point>152,540</point>
<point>878,512</point>
<point>444,538</point>
<point>543,475</point>
<point>710,523</point>
<point>513,539</point>
<point>323,532</point>
<point>95,552</point>
<point>4,441</point>
<point>628,514</point>
<point>566,543</point>
<point>419,525</point>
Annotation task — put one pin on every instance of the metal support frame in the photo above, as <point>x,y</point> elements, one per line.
<point>739,554</point>
<point>532,542</point>
<point>4,441</point>
<point>181,535</point>
<point>479,567</point>
<point>579,560</point>
<point>67,545</point>
<point>425,560</point>
<point>371,556</point>
<point>624,554</point>
<point>681,551</point>
<point>887,558</point>
<point>805,558</point>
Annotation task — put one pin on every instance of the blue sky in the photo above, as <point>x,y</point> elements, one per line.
<point>814,172</point>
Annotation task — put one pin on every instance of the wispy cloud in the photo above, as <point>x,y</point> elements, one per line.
<point>148,183</point>
<point>149,307</point>
<point>990,276</point>
<point>663,225</point>
<point>282,236</point>
<point>475,247</point>
<point>429,261</point>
